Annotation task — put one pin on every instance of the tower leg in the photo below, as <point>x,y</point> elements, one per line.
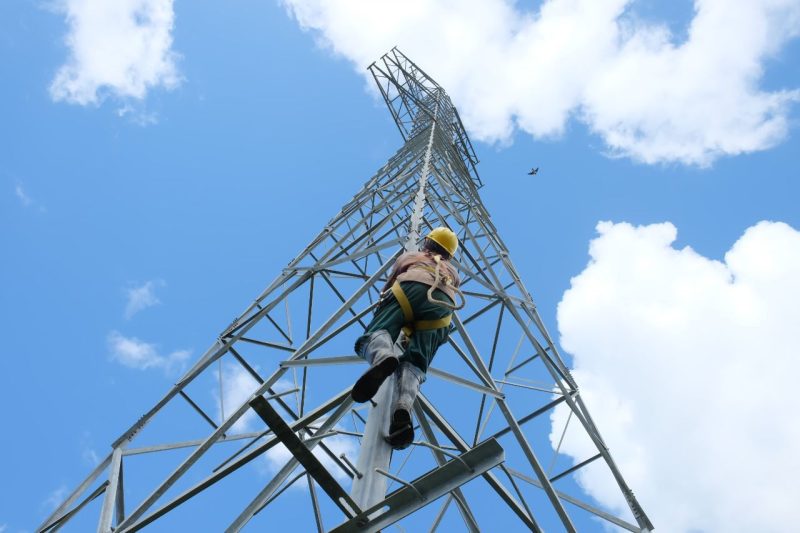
<point>375,451</point>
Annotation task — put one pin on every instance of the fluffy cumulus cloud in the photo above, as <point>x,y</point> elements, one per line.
<point>135,353</point>
<point>649,95</point>
<point>141,297</point>
<point>237,387</point>
<point>122,48</point>
<point>689,366</point>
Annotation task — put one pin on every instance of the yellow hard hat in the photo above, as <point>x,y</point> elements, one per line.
<point>445,238</point>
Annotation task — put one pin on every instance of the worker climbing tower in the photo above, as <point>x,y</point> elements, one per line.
<point>261,432</point>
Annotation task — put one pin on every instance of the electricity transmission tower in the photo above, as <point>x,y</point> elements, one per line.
<point>263,422</point>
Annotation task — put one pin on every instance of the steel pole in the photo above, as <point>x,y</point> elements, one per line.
<point>375,452</point>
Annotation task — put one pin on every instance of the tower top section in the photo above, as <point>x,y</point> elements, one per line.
<point>415,99</point>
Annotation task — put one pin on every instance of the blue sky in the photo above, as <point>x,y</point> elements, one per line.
<point>205,175</point>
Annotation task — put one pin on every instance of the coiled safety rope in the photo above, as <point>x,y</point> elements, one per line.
<point>436,279</point>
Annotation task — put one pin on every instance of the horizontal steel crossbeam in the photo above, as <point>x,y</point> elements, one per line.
<point>426,489</point>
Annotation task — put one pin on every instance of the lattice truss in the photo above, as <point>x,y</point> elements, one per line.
<point>499,376</point>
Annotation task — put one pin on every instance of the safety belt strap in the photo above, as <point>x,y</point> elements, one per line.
<point>423,325</point>
<point>408,313</point>
<point>402,299</point>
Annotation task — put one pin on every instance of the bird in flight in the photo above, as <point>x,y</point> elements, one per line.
<point>533,171</point>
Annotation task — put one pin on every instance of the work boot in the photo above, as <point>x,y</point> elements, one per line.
<point>379,353</point>
<point>401,428</point>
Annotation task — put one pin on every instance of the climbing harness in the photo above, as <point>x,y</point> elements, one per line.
<point>410,325</point>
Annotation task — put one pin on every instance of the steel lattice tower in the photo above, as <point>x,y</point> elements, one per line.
<point>483,415</point>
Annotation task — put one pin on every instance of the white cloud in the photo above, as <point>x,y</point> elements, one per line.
<point>134,353</point>
<point>689,366</point>
<point>142,297</point>
<point>137,114</point>
<point>237,387</point>
<point>122,48</point>
<point>648,97</point>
